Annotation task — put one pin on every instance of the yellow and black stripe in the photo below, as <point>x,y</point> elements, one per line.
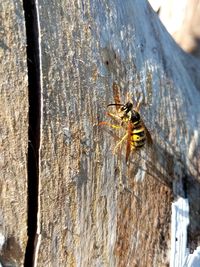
<point>138,136</point>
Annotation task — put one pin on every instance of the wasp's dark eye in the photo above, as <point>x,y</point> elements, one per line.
<point>123,108</point>
<point>129,106</point>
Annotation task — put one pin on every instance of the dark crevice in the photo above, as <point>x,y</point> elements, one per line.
<point>34,125</point>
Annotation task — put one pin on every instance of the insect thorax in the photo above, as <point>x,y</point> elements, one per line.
<point>134,117</point>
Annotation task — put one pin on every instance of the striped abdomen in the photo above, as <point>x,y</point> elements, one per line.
<point>138,135</point>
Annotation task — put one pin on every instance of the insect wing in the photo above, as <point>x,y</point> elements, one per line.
<point>116,95</point>
<point>128,144</point>
<point>148,135</point>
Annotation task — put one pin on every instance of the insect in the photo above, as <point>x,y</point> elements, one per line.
<point>128,118</point>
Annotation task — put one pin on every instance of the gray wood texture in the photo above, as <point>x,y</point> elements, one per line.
<point>94,209</point>
<point>13,134</point>
<point>87,217</point>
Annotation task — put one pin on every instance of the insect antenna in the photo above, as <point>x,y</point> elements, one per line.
<point>120,105</point>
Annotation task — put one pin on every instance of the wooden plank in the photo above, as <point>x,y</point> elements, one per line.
<point>86,216</point>
<point>14,134</point>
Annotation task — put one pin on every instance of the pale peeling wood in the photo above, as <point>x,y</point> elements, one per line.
<point>13,137</point>
<point>179,228</point>
<point>86,217</point>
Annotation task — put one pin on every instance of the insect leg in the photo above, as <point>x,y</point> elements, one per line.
<point>120,142</point>
<point>114,116</point>
<point>109,124</point>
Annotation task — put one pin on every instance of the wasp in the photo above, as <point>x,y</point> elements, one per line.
<point>128,117</point>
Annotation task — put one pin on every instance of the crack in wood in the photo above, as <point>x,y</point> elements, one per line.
<point>33,63</point>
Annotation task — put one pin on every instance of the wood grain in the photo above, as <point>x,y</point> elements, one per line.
<point>94,209</point>
<point>87,218</point>
<point>14,134</point>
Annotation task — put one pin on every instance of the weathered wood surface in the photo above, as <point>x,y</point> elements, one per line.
<point>86,214</point>
<point>13,134</point>
<point>86,217</point>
